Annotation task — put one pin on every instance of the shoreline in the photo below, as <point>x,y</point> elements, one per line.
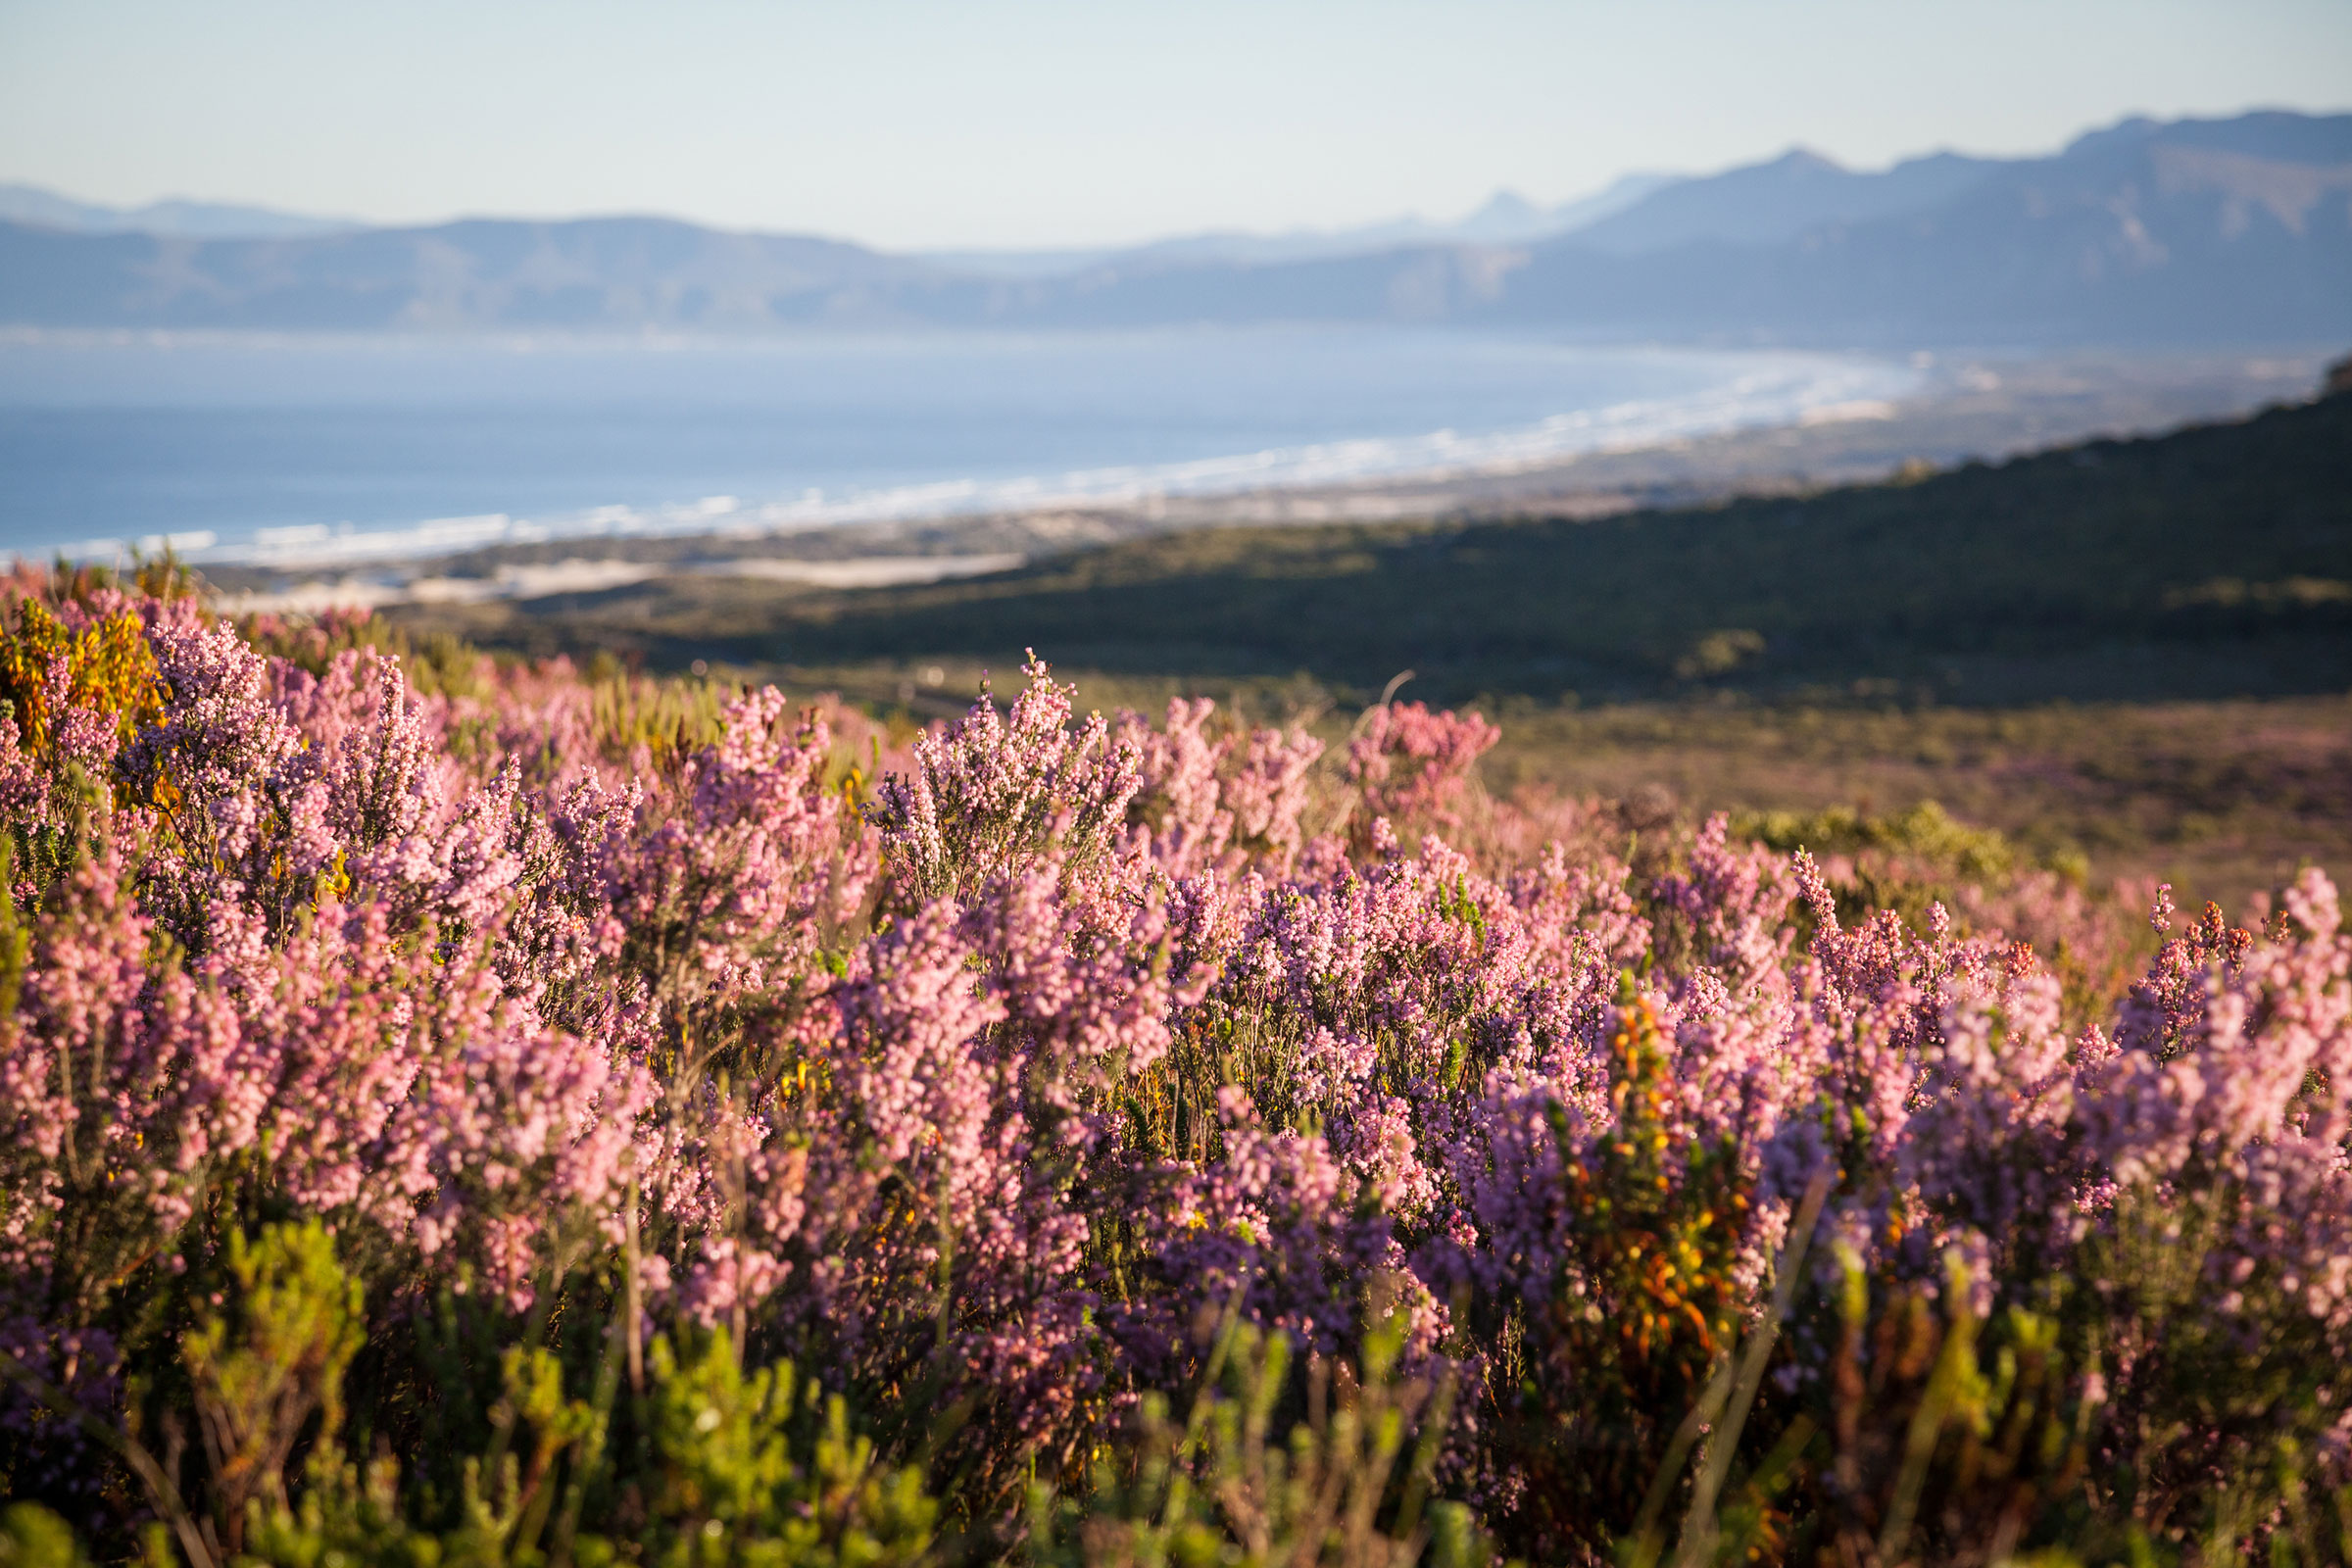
<point>1974,410</point>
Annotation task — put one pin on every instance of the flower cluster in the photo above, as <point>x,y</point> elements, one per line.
<point>583,1017</point>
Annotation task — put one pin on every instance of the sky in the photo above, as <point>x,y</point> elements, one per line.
<point>1040,122</point>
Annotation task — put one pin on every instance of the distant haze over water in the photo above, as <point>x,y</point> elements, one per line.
<point>319,449</point>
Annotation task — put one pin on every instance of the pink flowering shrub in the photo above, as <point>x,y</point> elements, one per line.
<point>482,1110</point>
<point>1413,763</point>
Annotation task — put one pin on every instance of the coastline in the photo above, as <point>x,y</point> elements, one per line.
<point>1975,409</point>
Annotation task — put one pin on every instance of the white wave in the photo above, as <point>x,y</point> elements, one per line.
<point>1789,390</point>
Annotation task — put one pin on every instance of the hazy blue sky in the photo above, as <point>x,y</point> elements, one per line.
<point>1030,122</point>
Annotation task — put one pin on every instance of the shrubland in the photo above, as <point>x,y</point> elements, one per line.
<point>470,1112</point>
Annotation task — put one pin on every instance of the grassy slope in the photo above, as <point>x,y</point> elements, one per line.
<point>2221,799</point>
<point>2214,561</point>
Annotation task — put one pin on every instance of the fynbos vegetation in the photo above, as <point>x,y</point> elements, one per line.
<point>474,1113</point>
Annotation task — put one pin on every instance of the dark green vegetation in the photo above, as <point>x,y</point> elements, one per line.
<point>2212,562</point>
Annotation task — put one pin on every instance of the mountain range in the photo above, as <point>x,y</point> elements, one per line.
<point>46,208</point>
<point>1506,218</point>
<point>2145,234</point>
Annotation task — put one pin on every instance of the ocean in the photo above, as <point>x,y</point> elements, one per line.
<point>303,449</point>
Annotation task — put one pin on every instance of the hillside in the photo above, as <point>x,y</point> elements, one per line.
<point>2213,561</point>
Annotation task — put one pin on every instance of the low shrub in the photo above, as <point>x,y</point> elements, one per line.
<point>550,1118</point>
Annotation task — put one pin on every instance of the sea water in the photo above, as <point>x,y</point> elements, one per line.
<point>325,448</point>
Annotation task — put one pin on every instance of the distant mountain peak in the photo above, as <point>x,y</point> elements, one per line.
<point>2278,135</point>
<point>174,216</point>
<point>1773,201</point>
<point>1805,160</point>
<point>1506,206</point>
<point>2125,132</point>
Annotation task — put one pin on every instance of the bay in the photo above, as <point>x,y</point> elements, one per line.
<point>322,448</point>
